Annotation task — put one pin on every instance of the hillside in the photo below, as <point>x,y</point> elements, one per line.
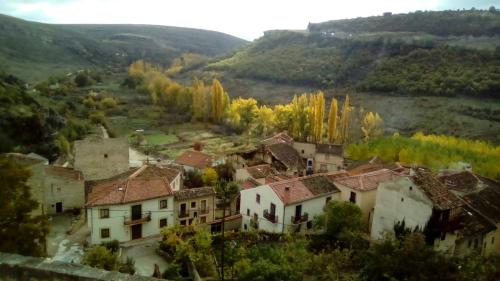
<point>424,53</point>
<point>33,51</point>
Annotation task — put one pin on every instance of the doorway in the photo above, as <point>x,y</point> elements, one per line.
<point>136,231</point>
<point>136,212</point>
<point>59,207</point>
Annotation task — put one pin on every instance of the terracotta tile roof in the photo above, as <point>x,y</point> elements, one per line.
<point>191,193</point>
<point>147,182</point>
<point>287,155</point>
<point>249,183</point>
<point>440,195</point>
<point>282,137</point>
<point>26,160</point>
<point>301,189</point>
<point>486,202</point>
<point>472,223</point>
<point>260,171</point>
<point>366,182</point>
<point>63,172</point>
<point>331,149</point>
<point>461,181</point>
<point>278,177</point>
<point>195,159</point>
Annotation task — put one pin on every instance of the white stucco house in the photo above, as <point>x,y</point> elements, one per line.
<point>132,205</point>
<point>454,225</point>
<point>286,206</point>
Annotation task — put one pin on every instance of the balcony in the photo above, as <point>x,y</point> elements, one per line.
<point>300,219</point>
<point>183,214</point>
<point>137,220</point>
<point>204,211</point>
<point>270,217</point>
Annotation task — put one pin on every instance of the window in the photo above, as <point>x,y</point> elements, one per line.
<point>193,204</point>
<point>163,222</point>
<point>411,188</point>
<point>105,155</point>
<point>402,199</point>
<point>352,197</point>
<point>183,222</point>
<point>302,151</point>
<point>469,243</point>
<point>163,204</point>
<point>272,210</point>
<point>190,221</point>
<point>328,199</point>
<point>245,226</point>
<point>492,240</point>
<point>203,219</point>
<point>476,243</point>
<point>248,212</point>
<point>443,235</point>
<point>195,214</point>
<point>309,224</point>
<point>103,213</point>
<point>257,198</point>
<point>104,232</point>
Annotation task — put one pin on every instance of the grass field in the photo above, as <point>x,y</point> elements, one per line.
<point>160,139</point>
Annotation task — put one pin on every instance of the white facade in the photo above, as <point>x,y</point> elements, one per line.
<point>399,200</point>
<point>118,214</point>
<point>250,209</point>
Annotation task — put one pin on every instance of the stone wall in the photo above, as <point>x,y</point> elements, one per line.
<point>16,267</point>
<point>100,158</point>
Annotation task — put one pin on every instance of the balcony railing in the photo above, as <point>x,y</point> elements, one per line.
<point>204,211</point>
<point>270,217</point>
<point>183,214</point>
<point>300,219</point>
<point>131,221</point>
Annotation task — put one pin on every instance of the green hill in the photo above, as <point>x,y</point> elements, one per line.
<point>424,53</point>
<point>34,51</point>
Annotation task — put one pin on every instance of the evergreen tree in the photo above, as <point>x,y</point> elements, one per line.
<point>20,232</point>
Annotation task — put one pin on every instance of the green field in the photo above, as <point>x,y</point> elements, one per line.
<point>160,139</point>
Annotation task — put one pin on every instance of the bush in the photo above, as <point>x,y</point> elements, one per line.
<point>113,245</point>
<point>108,102</point>
<point>97,117</point>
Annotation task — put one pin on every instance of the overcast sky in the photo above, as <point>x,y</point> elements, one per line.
<point>246,19</point>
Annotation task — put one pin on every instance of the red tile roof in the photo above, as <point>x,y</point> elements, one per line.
<point>147,182</point>
<point>63,172</point>
<point>195,159</point>
<point>249,183</point>
<point>287,155</point>
<point>441,197</point>
<point>301,189</point>
<point>260,171</point>
<point>282,137</point>
<point>366,182</point>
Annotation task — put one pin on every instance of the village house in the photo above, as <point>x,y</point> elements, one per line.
<point>100,158</point>
<point>362,190</point>
<point>195,205</point>
<point>423,202</point>
<point>132,205</point>
<point>321,158</point>
<point>56,189</point>
<point>193,160</point>
<point>482,202</point>
<point>286,206</point>
<point>64,190</point>
<point>260,174</point>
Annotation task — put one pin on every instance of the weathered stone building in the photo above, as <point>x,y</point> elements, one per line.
<point>100,158</point>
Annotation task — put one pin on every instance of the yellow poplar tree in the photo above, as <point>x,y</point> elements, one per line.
<point>312,117</point>
<point>219,98</point>
<point>265,120</point>
<point>344,131</point>
<point>372,125</point>
<point>319,116</point>
<point>332,121</point>
<point>299,116</point>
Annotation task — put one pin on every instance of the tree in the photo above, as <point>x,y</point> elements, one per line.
<point>344,121</point>
<point>372,125</point>
<point>100,257</point>
<point>97,117</point>
<point>299,116</point>
<point>319,117</point>
<point>201,100</point>
<point>340,222</point>
<point>82,79</point>
<point>410,260</point>
<point>219,101</point>
<point>225,192</point>
<point>332,121</point>
<point>21,232</point>
<point>265,120</point>
<point>209,176</point>
<point>193,179</point>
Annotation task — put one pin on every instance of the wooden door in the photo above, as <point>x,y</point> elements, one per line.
<point>59,207</point>
<point>136,231</point>
<point>136,212</point>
